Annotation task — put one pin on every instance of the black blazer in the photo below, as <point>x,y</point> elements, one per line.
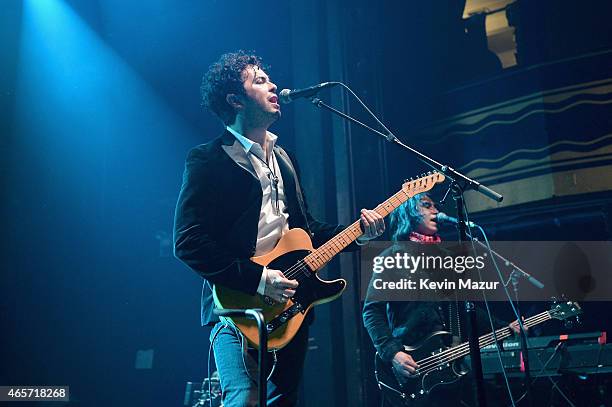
<point>217,214</point>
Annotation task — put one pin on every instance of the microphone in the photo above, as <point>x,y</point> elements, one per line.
<point>444,218</point>
<point>288,96</point>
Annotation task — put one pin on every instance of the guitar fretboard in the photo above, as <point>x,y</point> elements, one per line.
<point>321,256</point>
<point>484,340</point>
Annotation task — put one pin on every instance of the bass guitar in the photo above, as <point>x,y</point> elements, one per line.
<point>295,256</point>
<point>442,365</point>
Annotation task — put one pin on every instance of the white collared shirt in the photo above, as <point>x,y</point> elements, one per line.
<point>272,225</point>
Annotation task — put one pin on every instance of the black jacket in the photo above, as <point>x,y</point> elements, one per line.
<point>217,214</point>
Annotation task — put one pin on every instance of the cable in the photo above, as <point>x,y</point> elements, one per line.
<point>498,351</point>
<point>561,392</point>
<point>559,346</point>
<point>209,351</point>
<point>501,278</point>
<point>518,317</point>
<point>366,108</point>
<point>244,352</point>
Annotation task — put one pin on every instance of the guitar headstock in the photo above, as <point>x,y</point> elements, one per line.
<point>424,183</point>
<point>565,310</point>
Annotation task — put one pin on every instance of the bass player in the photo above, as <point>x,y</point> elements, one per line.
<point>392,324</point>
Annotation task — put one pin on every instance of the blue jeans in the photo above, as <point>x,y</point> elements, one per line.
<point>238,368</point>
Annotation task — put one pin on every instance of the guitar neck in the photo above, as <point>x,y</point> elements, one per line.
<point>321,256</point>
<point>490,338</point>
<point>505,332</point>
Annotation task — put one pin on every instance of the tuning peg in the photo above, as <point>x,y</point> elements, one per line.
<point>572,323</point>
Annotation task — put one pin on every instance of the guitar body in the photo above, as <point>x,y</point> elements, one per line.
<point>297,259</point>
<point>441,365</point>
<point>414,391</point>
<point>287,256</point>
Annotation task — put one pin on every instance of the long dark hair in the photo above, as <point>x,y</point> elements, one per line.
<point>406,218</point>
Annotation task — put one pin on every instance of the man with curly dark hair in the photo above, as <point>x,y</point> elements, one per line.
<point>241,192</point>
<point>226,77</point>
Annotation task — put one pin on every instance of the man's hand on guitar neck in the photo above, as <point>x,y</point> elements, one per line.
<point>404,365</point>
<point>277,286</point>
<point>372,225</point>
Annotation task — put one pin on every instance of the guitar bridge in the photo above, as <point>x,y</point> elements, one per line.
<point>284,317</point>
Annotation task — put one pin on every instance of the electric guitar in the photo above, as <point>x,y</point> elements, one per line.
<point>297,259</point>
<point>442,365</point>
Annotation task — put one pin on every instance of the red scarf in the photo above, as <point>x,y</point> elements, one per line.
<point>424,239</point>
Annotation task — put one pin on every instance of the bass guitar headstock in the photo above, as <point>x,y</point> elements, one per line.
<point>565,310</point>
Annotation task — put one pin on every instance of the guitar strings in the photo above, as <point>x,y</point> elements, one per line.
<point>401,196</point>
<point>483,341</point>
<point>536,319</point>
<point>430,363</point>
<point>484,338</point>
<point>457,354</point>
<point>297,269</point>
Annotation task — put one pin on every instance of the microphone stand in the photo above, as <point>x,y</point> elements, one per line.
<point>470,308</point>
<point>258,316</point>
<point>517,273</point>
<point>459,184</point>
<point>514,276</point>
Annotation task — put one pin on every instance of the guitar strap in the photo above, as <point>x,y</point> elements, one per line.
<point>300,197</point>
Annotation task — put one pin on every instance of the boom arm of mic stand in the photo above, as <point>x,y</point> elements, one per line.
<point>257,315</point>
<point>450,172</point>
<point>516,268</point>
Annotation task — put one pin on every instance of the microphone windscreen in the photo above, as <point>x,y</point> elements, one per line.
<point>285,96</point>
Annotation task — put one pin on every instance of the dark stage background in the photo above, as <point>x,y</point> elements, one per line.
<point>100,103</point>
